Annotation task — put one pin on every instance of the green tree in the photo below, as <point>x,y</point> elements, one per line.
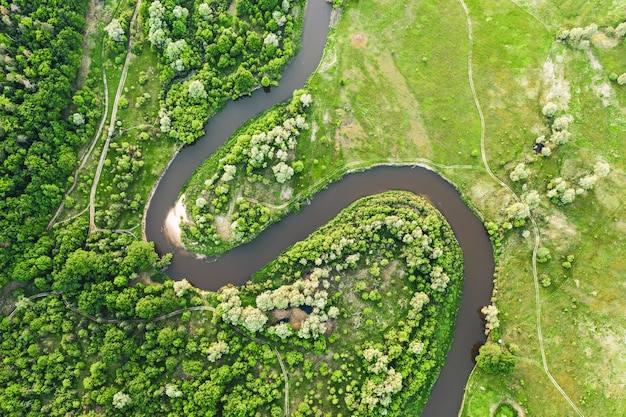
<point>495,359</point>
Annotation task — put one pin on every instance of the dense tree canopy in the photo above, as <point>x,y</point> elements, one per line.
<point>218,55</point>
<point>40,46</point>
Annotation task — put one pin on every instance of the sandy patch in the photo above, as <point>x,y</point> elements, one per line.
<point>530,85</point>
<point>558,88</point>
<point>560,232</point>
<point>175,216</point>
<point>348,130</point>
<point>280,314</point>
<point>232,9</point>
<point>222,224</point>
<point>600,86</point>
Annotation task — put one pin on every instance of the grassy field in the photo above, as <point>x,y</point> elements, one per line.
<point>393,86</point>
<point>136,119</point>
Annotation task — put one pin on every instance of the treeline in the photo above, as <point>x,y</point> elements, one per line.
<point>41,124</point>
<point>259,160</point>
<point>209,55</point>
<point>362,311</point>
<point>56,362</point>
<point>394,271</point>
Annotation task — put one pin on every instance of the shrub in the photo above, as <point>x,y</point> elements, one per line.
<point>495,359</point>
<point>543,255</point>
<point>549,110</point>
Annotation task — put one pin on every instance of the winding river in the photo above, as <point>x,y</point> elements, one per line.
<point>238,265</point>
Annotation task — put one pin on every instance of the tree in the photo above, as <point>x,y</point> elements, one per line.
<point>495,359</point>
<point>244,80</point>
<point>196,90</point>
<point>543,254</point>
<point>519,173</point>
<point>601,169</point>
<point>78,119</point>
<point>173,391</point>
<point>306,100</point>
<point>204,10</point>
<point>282,172</point>
<point>121,400</point>
<point>180,12</point>
<point>491,317</point>
<point>549,110</point>
<point>253,319</point>
<point>562,122</point>
<point>217,350</point>
<point>140,256</point>
<point>115,30</point>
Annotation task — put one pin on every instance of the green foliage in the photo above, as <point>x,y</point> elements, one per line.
<point>41,48</point>
<point>372,227</point>
<point>259,154</point>
<point>229,55</point>
<point>543,255</point>
<point>495,359</point>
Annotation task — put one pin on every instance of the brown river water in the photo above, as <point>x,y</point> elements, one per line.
<point>236,266</point>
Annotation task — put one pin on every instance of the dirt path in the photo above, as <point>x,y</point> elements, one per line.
<point>282,367</point>
<point>536,229</point>
<point>105,148</point>
<point>115,321</point>
<point>85,62</point>
<point>88,44</point>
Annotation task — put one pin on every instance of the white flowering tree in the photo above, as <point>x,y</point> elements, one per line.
<point>519,173</point>
<point>196,90</point>
<point>491,317</point>
<point>121,400</point>
<point>217,350</point>
<point>115,31</point>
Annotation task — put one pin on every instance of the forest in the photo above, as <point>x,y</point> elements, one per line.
<point>94,345</point>
<point>96,326</point>
<point>44,121</point>
<point>357,319</point>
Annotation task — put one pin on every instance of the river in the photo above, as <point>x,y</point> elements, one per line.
<point>237,265</point>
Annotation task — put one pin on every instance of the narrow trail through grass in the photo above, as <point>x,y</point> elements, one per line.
<point>87,154</point>
<point>105,147</point>
<point>282,367</point>
<point>536,229</point>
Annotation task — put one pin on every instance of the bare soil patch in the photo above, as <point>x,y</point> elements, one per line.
<point>560,232</point>
<point>92,17</point>
<point>359,40</point>
<point>600,40</point>
<point>295,316</point>
<point>222,224</point>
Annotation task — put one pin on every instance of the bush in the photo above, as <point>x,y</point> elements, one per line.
<point>495,359</point>
<point>543,255</point>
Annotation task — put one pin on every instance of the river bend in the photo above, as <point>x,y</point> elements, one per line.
<point>236,266</point>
